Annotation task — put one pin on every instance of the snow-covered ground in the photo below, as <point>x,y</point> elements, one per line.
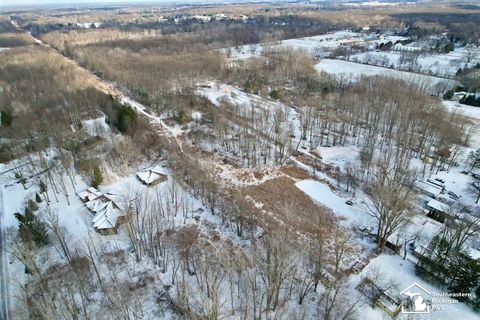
<point>315,45</point>
<point>432,68</point>
<point>76,219</point>
<point>273,119</point>
<point>402,272</point>
<point>352,215</point>
<point>351,71</point>
<point>97,126</point>
<point>445,65</point>
<point>463,109</point>
<point>319,46</point>
<point>392,267</point>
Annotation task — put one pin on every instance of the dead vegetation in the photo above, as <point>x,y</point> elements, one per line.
<point>9,40</point>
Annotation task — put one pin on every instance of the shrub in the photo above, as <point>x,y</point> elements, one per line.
<point>274,94</point>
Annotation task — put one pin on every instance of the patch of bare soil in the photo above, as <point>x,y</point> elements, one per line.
<point>287,205</point>
<point>280,204</point>
<point>296,172</point>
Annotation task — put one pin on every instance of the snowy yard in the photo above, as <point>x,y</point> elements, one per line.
<point>402,273</point>
<point>354,215</point>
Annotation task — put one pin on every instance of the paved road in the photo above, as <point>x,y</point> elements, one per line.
<point>5,294</point>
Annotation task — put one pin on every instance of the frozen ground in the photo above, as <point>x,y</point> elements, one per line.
<point>75,219</point>
<point>392,267</point>
<point>351,71</point>
<point>339,154</point>
<point>445,65</point>
<point>463,109</point>
<point>402,273</point>
<point>316,45</point>
<point>320,192</point>
<point>97,126</point>
<point>319,46</point>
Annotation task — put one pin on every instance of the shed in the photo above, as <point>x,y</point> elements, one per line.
<point>89,194</point>
<point>428,189</point>
<point>437,210</point>
<point>152,176</point>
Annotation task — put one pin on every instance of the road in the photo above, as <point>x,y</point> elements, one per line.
<point>5,293</point>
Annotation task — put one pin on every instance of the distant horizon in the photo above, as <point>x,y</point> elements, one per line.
<point>7,5</point>
<point>65,3</point>
<point>33,3</point>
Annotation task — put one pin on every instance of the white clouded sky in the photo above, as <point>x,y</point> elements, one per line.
<point>33,2</point>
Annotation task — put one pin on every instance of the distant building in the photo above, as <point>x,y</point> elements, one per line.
<point>152,176</point>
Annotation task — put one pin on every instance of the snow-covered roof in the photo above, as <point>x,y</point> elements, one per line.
<point>474,253</point>
<point>151,175</point>
<point>106,206</point>
<point>89,194</point>
<point>437,205</point>
<point>107,217</point>
<point>428,188</point>
<point>476,212</point>
<point>116,199</point>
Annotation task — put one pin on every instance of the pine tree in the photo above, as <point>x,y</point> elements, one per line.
<point>42,186</point>
<point>38,198</point>
<point>30,228</point>
<point>476,300</point>
<point>274,94</point>
<point>97,177</point>
<point>453,268</point>
<point>183,117</point>
<point>5,118</point>
<point>462,273</point>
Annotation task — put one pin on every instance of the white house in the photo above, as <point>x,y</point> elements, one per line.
<point>109,209</point>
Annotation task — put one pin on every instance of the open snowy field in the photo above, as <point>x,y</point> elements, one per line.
<point>319,46</point>
<point>352,71</point>
<point>463,109</point>
<point>444,65</point>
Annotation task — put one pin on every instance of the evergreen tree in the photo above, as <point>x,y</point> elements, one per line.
<point>274,94</point>
<point>97,177</point>
<point>5,118</point>
<point>476,300</point>
<point>474,159</point>
<point>38,198</point>
<point>453,268</point>
<point>183,117</point>
<point>126,117</point>
<point>30,228</point>
<point>43,187</point>
<point>471,100</point>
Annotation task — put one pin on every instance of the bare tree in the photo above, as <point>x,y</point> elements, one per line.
<point>391,195</point>
<point>337,302</point>
<point>470,53</point>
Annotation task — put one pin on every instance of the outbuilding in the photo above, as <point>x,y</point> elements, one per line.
<point>152,176</point>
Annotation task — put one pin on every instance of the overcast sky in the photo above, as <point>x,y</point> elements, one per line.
<point>63,2</point>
